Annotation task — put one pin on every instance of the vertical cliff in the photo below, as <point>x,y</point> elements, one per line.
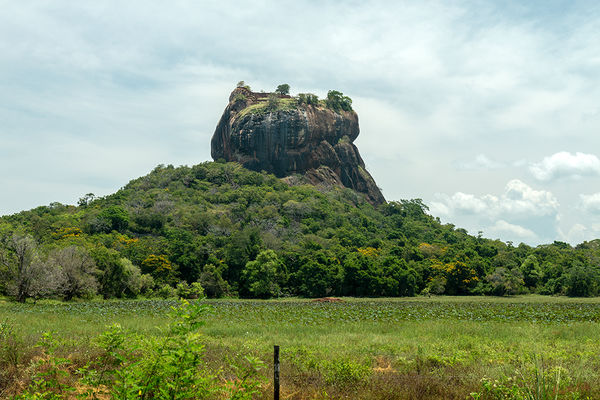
<point>287,138</point>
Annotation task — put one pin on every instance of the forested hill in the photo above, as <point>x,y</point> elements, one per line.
<point>237,232</point>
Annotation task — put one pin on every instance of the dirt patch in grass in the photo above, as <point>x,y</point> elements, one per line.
<point>328,300</point>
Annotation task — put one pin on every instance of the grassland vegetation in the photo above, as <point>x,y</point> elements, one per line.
<point>532,347</point>
<point>273,103</point>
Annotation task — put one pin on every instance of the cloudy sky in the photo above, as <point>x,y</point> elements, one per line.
<point>487,110</point>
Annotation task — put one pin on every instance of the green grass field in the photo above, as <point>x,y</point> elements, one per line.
<point>529,347</point>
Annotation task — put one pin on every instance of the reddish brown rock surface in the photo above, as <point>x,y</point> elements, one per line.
<point>309,140</point>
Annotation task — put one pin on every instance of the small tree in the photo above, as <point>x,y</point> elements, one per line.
<point>85,200</point>
<point>272,101</point>
<point>24,274</point>
<point>337,101</point>
<point>261,275</point>
<point>582,281</point>
<point>504,281</point>
<point>77,271</point>
<point>532,273</point>
<point>308,98</point>
<point>135,282</point>
<point>242,84</point>
<point>114,272</point>
<point>283,89</point>
<point>161,269</point>
<point>317,279</point>
<point>212,281</point>
<point>187,291</point>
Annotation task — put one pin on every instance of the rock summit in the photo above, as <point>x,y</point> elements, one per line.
<point>288,137</point>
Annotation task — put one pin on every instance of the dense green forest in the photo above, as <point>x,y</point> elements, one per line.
<point>220,230</point>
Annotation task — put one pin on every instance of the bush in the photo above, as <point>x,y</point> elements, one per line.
<point>147,284</point>
<point>193,291</point>
<point>582,282</point>
<point>113,218</point>
<point>166,292</point>
<point>77,272</point>
<point>171,366</point>
<point>437,285</point>
<point>342,372</point>
<point>239,97</point>
<point>505,281</point>
<point>212,281</point>
<point>272,102</point>
<point>308,98</point>
<point>133,278</point>
<point>261,276</point>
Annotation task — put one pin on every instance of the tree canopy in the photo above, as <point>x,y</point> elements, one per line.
<point>283,89</point>
<point>337,101</point>
<point>237,232</point>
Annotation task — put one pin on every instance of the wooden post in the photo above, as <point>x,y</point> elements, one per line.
<point>276,373</point>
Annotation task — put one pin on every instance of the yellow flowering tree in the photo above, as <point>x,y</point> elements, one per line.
<point>159,267</point>
<point>457,275</point>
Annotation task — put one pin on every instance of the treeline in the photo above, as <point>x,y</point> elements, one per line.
<point>221,230</point>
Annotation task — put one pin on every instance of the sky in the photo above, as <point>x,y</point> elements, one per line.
<point>488,111</point>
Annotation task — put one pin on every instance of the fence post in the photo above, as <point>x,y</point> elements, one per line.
<point>276,373</point>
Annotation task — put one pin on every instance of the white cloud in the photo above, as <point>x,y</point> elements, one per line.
<point>576,234</point>
<point>591,203</point>
<point>566,165</point>
<point>518,200</point>
<point>505,229</point>
<point>119,87</point>
<point>480,163</point>
<point>439,209</point>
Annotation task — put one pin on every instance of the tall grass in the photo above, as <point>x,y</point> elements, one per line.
<point>447,348</point>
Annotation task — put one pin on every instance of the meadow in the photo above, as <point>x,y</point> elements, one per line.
<point>524,347</point>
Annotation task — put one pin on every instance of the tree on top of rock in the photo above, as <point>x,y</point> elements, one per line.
<point>242,84</point>
<point>283,89</point>
<point>337,101</point>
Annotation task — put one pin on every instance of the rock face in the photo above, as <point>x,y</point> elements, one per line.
<point>290,139</point>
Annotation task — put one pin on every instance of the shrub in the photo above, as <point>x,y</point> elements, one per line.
<point>272,102</point>
<point>167,367</point>
<point>77,272</point>
<point>147,284</point>
<point>582,282</point>
<point>343,372</point>
<point>504,281</point>
<point>193,291</point>
<point>113,218</point>
<point>166,292</point>
<point>261,275</point>
<point>308,98</point>
<point>239,97</point>
<point>212,281</point>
